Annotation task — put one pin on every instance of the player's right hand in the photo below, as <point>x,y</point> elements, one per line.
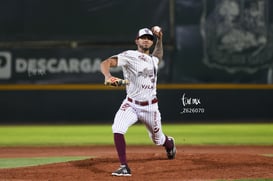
<point>157,32</point>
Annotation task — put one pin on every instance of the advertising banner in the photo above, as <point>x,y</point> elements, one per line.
<point>61,65</point>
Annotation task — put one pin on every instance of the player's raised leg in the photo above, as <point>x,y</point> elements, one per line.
<point>152,120</point>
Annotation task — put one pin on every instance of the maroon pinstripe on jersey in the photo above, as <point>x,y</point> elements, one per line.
<point>140,69</point>
<point>141,103</point>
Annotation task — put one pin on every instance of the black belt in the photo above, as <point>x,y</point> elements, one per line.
<point>142,103</point>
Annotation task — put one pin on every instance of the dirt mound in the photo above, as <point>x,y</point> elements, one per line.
<point>146,163</point>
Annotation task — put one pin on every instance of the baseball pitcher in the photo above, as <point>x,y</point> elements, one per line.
<point>140,68</point>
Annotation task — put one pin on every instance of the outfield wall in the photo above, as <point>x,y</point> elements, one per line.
<point>97,104</point>
<point>218,65</point>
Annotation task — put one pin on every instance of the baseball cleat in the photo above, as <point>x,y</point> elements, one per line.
<point>123,170</point>
<point>171,152</point>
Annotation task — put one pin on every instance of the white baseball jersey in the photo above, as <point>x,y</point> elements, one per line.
<point>141,71</point>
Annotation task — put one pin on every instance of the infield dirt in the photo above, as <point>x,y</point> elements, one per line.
<point>146,162</point>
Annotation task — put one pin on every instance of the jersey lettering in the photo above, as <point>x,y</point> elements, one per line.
<point>147,86</point>
<point>140,69</point>
<point>146,73</point>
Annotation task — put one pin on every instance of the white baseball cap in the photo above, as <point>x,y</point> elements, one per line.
<point>145,31</point>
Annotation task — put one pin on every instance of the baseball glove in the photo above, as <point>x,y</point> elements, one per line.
<point>116,82</point>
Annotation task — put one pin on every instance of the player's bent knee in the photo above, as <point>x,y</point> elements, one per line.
<point>117,130</point>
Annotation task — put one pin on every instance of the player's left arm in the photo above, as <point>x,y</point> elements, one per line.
<point>158,50</point>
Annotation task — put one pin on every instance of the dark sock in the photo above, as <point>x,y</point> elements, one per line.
<point>168,144</point>
<point>121,147</point>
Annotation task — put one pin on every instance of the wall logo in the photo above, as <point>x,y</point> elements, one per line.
<point>5,65</point>
<point>191,105</point>
<point>237,35</point>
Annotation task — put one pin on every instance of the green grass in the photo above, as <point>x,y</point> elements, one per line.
<point>185,134</point>
<point>227,134</point>
<point>23,162</point>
